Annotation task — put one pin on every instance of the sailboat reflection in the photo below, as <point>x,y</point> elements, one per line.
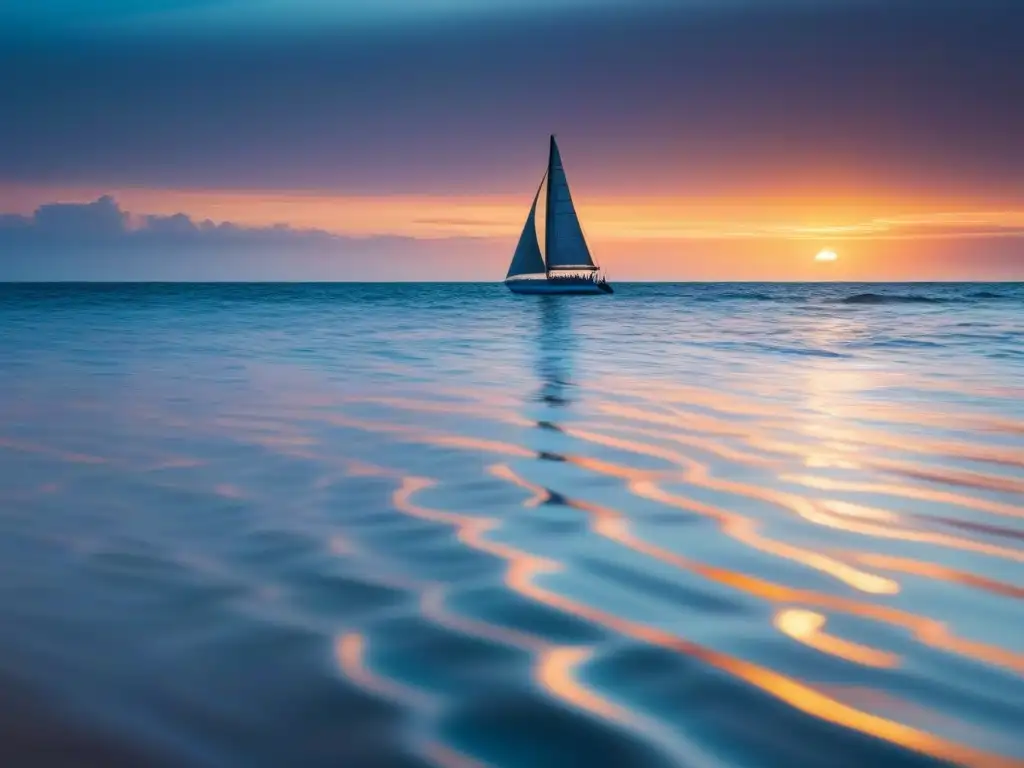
<point>555,347</point>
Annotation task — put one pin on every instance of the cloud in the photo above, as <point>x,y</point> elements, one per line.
<point>101,241</point>
<point>104,221</point>
<point>102,218</point>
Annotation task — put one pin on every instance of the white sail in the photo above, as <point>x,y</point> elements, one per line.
<point>564,243</point>
<point>527,260</point>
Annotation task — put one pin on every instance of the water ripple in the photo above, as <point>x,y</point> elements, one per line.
<point>389,526</point>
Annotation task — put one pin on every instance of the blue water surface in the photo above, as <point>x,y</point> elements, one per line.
<point>408,525</point>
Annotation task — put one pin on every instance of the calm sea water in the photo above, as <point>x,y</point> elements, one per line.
<point>403,525</point>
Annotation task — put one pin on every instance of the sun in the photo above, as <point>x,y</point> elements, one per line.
<point>826,255</point>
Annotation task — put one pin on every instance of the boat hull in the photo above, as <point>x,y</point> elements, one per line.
<point>560,286</point>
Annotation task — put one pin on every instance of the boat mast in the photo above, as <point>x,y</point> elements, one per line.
<point>547,209</point>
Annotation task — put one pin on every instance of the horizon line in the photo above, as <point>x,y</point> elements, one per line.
<point>501,282</point>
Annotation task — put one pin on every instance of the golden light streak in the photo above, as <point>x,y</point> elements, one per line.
<point>909,492</point>
<point>745,530</point>
<point>523,566</point>
<point>554,665</point>
<point>935,571</point>
<point>925,630</point>
<point>520,577</point>
<point>739,527</point>
<point>610,524</point>
<point>349,652</point>
<point>554,672</point>
<point>806,627</point>
<point>843,515</point>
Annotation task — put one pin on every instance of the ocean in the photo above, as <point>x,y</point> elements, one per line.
<point>439,524</point>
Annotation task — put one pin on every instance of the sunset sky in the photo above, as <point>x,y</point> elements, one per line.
<point>704,139</point>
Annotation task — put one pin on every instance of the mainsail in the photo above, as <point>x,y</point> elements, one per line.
<point>527,259</point>
<point>564,244</point>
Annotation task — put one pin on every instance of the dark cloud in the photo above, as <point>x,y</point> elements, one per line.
<point>101,241</point>
<point>103,218</point>
<point>104,221</point>
<point>910,95</point>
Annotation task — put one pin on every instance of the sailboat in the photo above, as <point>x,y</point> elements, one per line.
<point>568,266</point>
